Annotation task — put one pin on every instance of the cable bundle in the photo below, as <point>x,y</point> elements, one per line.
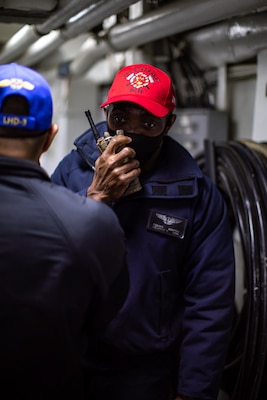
<point>240,173</point>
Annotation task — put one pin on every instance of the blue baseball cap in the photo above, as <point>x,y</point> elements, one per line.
<point>19,80</point>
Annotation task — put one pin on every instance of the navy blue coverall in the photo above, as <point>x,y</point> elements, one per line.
<point>63,276</point>
<point>181,264</point>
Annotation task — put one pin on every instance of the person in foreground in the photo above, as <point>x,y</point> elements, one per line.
<point>170,338</point>
<point>63,272</point>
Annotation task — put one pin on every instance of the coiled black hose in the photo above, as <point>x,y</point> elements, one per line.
<point>240,172</point>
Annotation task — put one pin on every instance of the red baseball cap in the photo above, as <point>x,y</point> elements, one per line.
<point>145,85</point>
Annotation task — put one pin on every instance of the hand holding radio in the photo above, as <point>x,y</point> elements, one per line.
<point>116,170</point>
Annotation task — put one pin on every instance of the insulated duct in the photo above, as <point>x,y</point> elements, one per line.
<point>175,17</point>
<point>29,34</point>
<point>232,41</point>
<point>93,15</point>
<point>166,20</point>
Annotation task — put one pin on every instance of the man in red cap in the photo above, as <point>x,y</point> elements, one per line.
<point>170,339</point>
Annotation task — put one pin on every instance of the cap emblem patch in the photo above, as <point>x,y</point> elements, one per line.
<point>16,83</point>
<point>140,79</point>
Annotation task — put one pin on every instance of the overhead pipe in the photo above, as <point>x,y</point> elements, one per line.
<point>93,17</point>
<point>29,34</point>
<point>232,41</point>
<point>177,18</point>
<point>160,23</point>
<point>42,5</point>
<point>90,49</point>
<point>165,21</point>
<point>18,43</point>
<point>41,48</point>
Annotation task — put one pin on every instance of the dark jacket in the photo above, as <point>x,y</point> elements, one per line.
<point>181,263</point>
<point>61,258</point>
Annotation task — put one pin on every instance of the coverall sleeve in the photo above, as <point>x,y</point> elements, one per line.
<point>71,174</point>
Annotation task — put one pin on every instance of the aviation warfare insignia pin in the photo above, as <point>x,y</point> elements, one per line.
<point>167,224</point>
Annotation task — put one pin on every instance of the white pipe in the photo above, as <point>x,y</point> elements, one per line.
<point>91,51</point>
<point>93,17</point>
<point>18,43</point>
<point>42,48</point>
<point>62,16</point>
<point>29,34</point>
<point>166,20</point>
<point>175,18</point>
<point>229,42</point>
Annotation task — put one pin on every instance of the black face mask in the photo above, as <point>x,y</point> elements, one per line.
<point>144,146</point>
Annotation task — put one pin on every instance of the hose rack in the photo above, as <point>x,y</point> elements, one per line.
<point>239,170</point>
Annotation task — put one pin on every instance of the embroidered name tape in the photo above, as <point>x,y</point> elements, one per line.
<point>167,224</point>
<point>17,121</point>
